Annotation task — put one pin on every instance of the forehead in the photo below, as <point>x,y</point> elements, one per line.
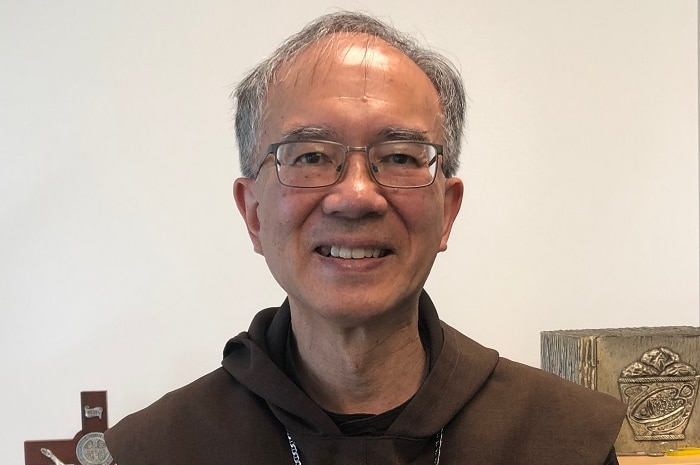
<point>347,79</point>
<point>346,50</point>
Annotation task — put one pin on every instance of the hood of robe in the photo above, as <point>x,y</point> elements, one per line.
<point>255,359</point>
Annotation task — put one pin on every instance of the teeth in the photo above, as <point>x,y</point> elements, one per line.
<point>346,252</point>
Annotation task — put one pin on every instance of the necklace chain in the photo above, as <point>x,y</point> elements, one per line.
<point>297,460</point>
<point>295,452</point>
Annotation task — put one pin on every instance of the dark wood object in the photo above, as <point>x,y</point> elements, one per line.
<point>93,414</point>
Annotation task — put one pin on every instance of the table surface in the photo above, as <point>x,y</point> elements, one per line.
<point>633,460</point>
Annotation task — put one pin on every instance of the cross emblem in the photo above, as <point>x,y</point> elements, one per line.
<point>87,447</point>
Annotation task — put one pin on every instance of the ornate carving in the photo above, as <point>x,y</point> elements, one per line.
<point>660,391</point>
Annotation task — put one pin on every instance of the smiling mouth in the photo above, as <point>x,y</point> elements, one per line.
<point>352,252</point>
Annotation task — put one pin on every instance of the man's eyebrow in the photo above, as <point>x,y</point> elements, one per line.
<point>302,133</point>
<point>403,134</point>
<point>310,133</point>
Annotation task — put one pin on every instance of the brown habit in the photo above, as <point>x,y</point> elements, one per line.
<point>492,412</point>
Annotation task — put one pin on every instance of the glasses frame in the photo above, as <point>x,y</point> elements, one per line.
<point>272,150</point>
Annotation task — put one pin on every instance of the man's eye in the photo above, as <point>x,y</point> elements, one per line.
<point>311,158</point>
<point>400,159</point>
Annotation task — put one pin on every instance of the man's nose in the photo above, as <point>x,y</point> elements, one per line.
<point>356,170</point>
<point>356,194</point>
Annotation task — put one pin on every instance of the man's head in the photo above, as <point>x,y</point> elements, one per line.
<point>349,248</point>
<point>252,92</point>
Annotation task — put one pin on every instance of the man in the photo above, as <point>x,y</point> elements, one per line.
<point>349,136</point>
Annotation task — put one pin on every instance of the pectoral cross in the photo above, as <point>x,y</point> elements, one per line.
<point>86,448</point>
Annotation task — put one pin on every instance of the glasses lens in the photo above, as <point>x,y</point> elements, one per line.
<point>403,164</point>
<point>309,164</point>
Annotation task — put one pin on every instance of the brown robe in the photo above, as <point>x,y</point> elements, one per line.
<point>492,411</point>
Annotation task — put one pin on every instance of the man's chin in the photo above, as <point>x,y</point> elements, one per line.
<point>349,312</point>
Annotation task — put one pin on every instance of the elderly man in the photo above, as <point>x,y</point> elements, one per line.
<point>349,138</point>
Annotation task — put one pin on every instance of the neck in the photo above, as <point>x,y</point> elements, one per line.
<point>362,369</point>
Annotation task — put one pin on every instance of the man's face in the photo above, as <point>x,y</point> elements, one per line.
<point>357,91</point>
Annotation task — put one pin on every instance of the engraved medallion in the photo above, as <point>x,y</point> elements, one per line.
<point>92,450</point>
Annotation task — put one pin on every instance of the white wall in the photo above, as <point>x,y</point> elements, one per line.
<point>124,265</point>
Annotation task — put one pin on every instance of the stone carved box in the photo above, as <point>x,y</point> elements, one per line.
<point>655,371</point>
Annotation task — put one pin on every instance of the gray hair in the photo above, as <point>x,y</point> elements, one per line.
<point>251,93</point>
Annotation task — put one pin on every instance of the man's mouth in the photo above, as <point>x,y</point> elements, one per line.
<point>351,252</point>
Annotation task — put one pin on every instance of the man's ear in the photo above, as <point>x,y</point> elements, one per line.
<point>247,203</point>
<point>454,191</point>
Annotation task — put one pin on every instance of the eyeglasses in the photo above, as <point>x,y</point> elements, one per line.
<point>316,163</point>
